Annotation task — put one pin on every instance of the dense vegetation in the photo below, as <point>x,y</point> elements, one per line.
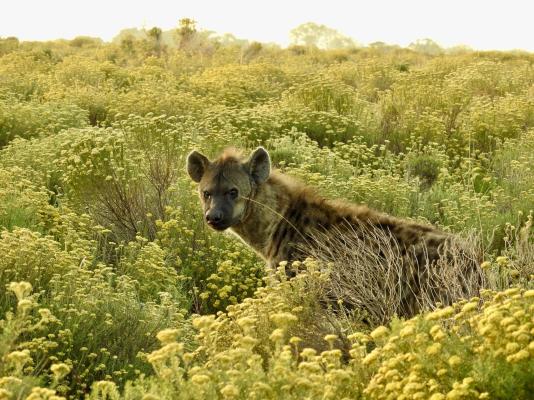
<point>112,287</point>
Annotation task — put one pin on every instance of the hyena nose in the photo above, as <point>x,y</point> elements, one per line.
<point>214,217</point>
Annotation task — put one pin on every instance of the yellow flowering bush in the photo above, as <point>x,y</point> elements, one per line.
<point>30,256</point>
<point>458,352</point>
<point>28,120</point>
<point>455,352</point>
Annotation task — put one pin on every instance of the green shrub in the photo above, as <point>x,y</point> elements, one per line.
<point>27,120</point>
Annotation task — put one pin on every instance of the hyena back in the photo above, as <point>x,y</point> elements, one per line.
<point>281,218</point>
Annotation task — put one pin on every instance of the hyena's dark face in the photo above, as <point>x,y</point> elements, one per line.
<point>226,184</point>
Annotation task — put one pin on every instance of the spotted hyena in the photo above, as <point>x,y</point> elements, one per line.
<point>285,220</point>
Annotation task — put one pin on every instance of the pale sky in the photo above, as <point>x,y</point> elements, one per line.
<point>482,24</point>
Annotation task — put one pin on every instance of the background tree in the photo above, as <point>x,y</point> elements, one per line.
<point>155,35</point>
<point>127,43</point>
<point>426,46</point>
<point>250,51</point>
<point>131,33</point>
<point>228,39</point>
<point>8,45</point>
<point>321,36</point>
<point>186,32</point>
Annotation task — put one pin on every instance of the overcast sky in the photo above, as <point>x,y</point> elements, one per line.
<point>482,24</point>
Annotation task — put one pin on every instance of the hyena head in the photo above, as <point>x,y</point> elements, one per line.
<point>226,184</point>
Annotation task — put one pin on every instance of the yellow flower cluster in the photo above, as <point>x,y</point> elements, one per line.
<point>440,355</point>
<point>448,353</point>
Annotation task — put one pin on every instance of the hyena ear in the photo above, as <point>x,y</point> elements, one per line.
<point>259,165</point>
<point>196,165</point>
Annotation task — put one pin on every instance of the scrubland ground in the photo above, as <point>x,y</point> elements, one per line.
<point>112,287</point>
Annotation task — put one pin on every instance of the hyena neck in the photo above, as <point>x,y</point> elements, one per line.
<point>264,212</point>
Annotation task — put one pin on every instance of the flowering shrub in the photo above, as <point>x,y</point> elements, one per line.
<point>478,348</point>
<point>28,120</point>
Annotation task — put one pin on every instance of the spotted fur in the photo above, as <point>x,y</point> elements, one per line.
<point>277,215</point>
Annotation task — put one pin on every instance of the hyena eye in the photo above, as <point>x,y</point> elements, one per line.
<point>233,193</point>
<point>206,194</point>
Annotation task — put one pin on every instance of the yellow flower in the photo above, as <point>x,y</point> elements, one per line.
<point>471,306</point>
<point>302,382</point>
<point>150,396</point>
<point>512,347</point>
<point>371,357</point>
<point>60,370</point>
<point>485,265</point>
<point>437,333</point>
<point>331,338</point>
<point>204,322</point>
<point>200,379</point>
<point>456,394</point>
<point>468,381</point>
<point>502,261</point>
<point>230,391</point>
<point>379,332</point>
<point>454,361</point>
<point>248,341</point>
<point>277,335</point>
<point>357,337</point>
<point>19,358</point>
<point>440,314</point>
<point>519,356</point>
<point>167,336</point>
<point>295,340</point>
<point>393,386</point>
<point>261,387</point>
<point>246,323</point>
<point>433,349</point>
<point>9,380</point>
<point>24,305</point>
<point>308,353</point>
<point>511,291</point>
<point>310,367</point>
<point>407,331</point>
<point>39,393</point>
<point>45,314</point>
<point>21,289</point>
<point>283,319</point>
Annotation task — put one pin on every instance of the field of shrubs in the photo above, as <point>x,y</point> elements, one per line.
<point>112,287</point>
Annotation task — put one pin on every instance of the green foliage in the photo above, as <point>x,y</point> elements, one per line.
<point>27,120</point>
<point>425,167</point>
